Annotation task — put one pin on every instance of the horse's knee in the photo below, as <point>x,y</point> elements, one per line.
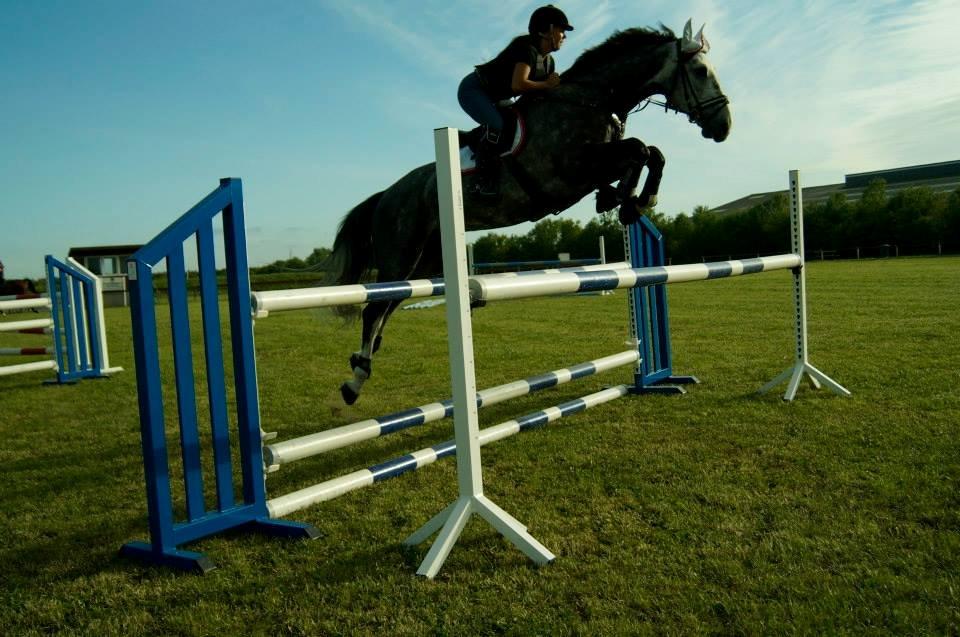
<point>636,150</point>
<point>655,158</point>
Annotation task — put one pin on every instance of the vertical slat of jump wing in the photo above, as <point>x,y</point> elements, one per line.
<point>663,314</point>
<point>156,465</point>
<point>55,310</point>
<point>637,260</point>
<point>69,329</point>
<point>78,324</point>
<point>92,321</point>
<point>80,305</point>
<point>633,318</point>
<point>653,257</point>
<point>186,392</point>
<point>69,323</point>
<point>213,350</point>
<point>241,336</point>
<point>245,373</point>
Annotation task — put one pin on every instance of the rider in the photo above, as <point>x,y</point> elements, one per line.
<point>524,66</point>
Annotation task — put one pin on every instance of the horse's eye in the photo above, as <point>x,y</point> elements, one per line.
<point>701,72</point>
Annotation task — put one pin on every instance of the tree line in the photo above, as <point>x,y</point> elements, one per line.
<point>912,221</point>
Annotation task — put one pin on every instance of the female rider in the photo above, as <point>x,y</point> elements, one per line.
<point>524,66</point>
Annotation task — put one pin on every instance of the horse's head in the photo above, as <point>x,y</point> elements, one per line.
<point>636,63</point>
<point>690,85</point>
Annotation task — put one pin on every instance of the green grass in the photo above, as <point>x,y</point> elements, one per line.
<point>720,511</point>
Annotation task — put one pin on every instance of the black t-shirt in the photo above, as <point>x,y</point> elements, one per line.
<point>497,74</point>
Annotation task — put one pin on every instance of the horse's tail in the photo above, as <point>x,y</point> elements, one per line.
<point>353,247</point>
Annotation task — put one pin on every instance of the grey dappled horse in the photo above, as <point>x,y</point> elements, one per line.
<point>575,146</point>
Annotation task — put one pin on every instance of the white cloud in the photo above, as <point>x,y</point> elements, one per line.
<point>829,86</point>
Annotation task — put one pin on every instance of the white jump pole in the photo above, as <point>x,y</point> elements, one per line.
<point>801,366</point>
<point>30,324</point>
<point>23,368</point>
<point>451,521</point>
<point>20,305</point>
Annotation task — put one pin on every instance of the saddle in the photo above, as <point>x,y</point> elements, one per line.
<point>513,137</point>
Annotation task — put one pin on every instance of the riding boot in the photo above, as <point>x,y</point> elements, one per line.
<point>487,184</point>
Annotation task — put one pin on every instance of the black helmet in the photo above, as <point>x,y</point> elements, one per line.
<point>542,18</point>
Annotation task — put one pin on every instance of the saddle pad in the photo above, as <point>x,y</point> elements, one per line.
<point>468,161</point>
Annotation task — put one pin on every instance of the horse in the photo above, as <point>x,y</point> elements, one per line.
<point>17,286</point>
<point>575,146</point>
<point>10,287</point>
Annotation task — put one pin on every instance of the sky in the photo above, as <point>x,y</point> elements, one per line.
<point>117,116</point>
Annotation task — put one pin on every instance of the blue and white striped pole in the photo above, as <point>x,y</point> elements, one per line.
<point>330,489</point>
<point>306,446</point>
<point>573,282</point>
<point>263,303</point>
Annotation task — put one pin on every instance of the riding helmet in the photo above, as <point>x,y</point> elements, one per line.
<point>543,17</point>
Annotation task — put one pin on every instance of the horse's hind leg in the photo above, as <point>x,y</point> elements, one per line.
<point>374,318</point>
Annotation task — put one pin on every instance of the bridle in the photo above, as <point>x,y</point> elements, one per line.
<point>698,110</point>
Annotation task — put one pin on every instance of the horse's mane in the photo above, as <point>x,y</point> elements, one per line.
<point>616,46</point>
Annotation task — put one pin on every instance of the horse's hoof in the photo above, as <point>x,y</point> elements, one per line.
<point>628,214</point>
<point>645,203</point>
<point>349,396</point>
<point>606,199</point>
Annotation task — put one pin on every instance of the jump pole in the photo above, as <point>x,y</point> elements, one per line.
<point>452,520</point>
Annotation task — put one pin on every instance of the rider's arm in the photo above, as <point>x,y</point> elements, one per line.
<point>521,82</point>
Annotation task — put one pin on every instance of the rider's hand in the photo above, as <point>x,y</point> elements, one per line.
<point>553,80</point>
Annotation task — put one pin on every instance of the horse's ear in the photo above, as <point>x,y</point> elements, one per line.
<point>691,45</point>
<point>702,40</point>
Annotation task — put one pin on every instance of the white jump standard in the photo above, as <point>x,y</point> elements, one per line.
<point>802,367</point>
<point>451,521</point>
<point>645,274</point>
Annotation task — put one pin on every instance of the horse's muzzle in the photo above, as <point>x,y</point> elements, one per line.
<point>717,127</point>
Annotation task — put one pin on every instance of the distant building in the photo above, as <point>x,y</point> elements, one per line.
<point>940,177</point>
<point>107,262</point>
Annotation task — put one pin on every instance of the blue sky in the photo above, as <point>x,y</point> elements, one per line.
<point>117,116</point>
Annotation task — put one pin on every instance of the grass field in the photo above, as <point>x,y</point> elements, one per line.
<point>720,511</point>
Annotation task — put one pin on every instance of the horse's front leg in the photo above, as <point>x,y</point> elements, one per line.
<point>623,161</point>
